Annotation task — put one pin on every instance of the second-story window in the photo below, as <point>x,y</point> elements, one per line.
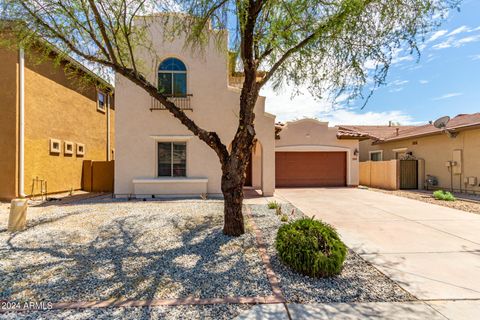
<point>172,78</point>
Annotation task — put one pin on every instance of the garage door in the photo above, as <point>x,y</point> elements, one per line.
<point>310,169</point>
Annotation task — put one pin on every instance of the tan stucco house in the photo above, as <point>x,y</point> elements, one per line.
<point>51,121</point>
<point>157,156</point>
<point>450,156</point>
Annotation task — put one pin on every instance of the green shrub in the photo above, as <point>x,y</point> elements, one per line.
<point>273,205</point>
<point>284,218</point>
<point>442,195</point>
<point>311,247</point>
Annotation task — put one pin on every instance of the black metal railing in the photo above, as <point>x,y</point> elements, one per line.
<point>182,102</point>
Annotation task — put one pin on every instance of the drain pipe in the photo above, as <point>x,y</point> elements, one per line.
<point>21,113</point>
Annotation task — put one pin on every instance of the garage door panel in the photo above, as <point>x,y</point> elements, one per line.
<point>310,169</point>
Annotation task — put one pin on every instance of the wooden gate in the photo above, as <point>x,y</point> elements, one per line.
<point>408,174</point>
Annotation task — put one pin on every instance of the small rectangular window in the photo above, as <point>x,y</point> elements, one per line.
<point>172,159</point>
<point>101,101</point>
<point>376,156</point>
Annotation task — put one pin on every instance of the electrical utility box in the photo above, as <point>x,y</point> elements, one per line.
<point>457,157</point>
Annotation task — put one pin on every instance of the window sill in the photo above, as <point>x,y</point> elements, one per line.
<point>170,180</point>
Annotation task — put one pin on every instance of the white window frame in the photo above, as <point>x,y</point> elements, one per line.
<point>53,149</point>
<point>171,158</point>
<point>66,146</point>
<point>376,151</point>
<point>105,102</point>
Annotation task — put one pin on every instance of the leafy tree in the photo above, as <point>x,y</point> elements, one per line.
<point>325,45</point>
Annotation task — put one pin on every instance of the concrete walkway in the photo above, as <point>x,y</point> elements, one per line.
<point>432,251</point>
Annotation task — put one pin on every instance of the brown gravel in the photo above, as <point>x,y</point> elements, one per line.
<point>469,206</point>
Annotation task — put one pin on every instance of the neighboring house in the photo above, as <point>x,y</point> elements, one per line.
<point>65,121</point>
<point>157,155</point>
<point>451,156</point>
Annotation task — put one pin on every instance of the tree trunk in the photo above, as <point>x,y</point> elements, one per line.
<point>232,188</point>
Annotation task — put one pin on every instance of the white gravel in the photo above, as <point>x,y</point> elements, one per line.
<point>358,282</point>
<point>96,250</point>
<point>472,204</point>
<point>165,313</point>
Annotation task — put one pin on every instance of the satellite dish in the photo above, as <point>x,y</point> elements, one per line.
<point>441,123</point>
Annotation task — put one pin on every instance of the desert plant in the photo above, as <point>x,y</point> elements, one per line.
<point>284,218</point>
<point>311,247</point>
<point>273,204</point>
<point>278,210</point>
<point>443,195</point>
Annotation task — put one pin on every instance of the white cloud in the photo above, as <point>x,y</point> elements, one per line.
<point>448,95</point>
<point>437,35</point>
<point>366,118</point>
<point>465,40</point>
<point>398,83</point>
<point>445,44</point>
<point>286,109</point>
<point>475,57</point>
<point>423,81</point>
<point>460,30</point>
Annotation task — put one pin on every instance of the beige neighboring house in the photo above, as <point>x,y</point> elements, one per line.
<point>157,156</point>
<point>451,156</point>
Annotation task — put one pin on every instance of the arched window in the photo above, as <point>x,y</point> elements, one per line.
<point>172,78</point>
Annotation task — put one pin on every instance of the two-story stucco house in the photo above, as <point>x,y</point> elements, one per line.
<point>156,155</point>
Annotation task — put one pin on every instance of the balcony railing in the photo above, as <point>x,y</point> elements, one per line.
<point>182,102</point>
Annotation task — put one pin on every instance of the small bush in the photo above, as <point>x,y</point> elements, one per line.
<point>273,205</point>
<point>442,195</point>
<point>311,247</point>
<point>284,218</point>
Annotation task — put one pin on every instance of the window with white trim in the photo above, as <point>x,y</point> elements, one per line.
<point>172,78</point>
<point>101,101</point>
<point>172,159</point>
<point>376,155</point>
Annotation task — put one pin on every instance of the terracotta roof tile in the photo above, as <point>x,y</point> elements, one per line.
<point>390,133</point>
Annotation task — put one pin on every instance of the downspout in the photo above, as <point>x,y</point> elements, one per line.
<point>108,127</point>
<point>21,133</point>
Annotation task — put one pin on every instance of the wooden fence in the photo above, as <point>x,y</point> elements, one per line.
<point>98,176</point>
<point>380,174</point>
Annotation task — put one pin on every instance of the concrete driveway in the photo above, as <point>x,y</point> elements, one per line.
<point>431,251</point>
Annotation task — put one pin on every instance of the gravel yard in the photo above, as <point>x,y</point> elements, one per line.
<point>138,250</point>
<point>98,249</point>
<point>164,313</point>
<point>358,282</point>
<point>469,206</point>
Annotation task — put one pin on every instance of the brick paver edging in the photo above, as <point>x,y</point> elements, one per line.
<point>262,249</point>
<point>277,296</point>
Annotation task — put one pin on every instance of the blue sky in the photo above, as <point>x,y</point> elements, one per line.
<point>445,81</point>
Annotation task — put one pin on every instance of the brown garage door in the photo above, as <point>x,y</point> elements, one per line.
<point>310,169</point>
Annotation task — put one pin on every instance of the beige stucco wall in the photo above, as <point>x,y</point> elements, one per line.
<point>436,150</point>
<point>313,135</point>
<point>60,107</point>
<point>8,123</point>
<point>215,107</point>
